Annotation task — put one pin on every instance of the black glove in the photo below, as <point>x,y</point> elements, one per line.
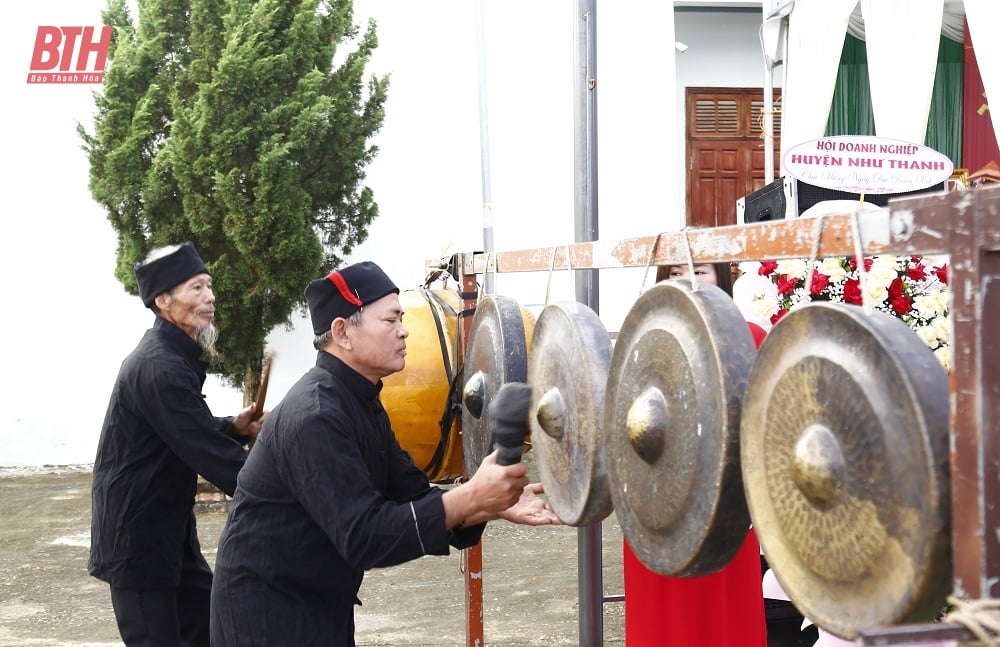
<point>509,421</point>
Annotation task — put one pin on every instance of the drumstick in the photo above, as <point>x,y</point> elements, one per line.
<point>262,390</point>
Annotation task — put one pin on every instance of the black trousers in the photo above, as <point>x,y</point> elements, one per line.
<point>169,617</point>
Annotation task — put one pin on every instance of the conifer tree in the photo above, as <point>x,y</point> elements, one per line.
<point>244,126</point>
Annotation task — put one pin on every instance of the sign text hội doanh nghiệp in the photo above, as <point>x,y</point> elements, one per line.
<point>863,164</point>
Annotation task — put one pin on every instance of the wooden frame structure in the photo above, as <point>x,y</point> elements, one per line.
<point>962,224</point>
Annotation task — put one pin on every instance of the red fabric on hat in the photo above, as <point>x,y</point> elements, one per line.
<point>338,281</point>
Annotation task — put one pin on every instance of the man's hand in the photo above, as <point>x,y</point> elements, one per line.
<point>484,497</point>
<point>245,425</point>
<point>497,487</point>
<point>531,509</point>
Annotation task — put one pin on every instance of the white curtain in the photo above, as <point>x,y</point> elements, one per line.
<point>983,17</point>
<point>952,23</point>
<point>902,42</point>
<point>816,31</point>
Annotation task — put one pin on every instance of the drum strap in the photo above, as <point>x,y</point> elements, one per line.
<point>453,406</point>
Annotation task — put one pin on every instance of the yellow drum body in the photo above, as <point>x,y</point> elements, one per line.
<point>419,397</point>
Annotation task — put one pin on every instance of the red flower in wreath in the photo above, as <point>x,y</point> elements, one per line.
<point>820,282</point>
<point>902,286</point>
<point>786,284</point>
<point>852,292</point>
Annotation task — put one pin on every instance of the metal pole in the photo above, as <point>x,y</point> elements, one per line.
<point>772,10</point>
<point>484,145</point>
<point>590,574</point>
<point>768,122</point>
<point>473,556</point>
<point>768,126</point>
<point>585,143</point>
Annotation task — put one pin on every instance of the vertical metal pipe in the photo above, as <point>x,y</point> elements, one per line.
<point>484,145</point>
<point>772,10</point>
<point>472,556</point>
<point>590,573</point>
<point>768,122</point>
<point>585,143</point>
<point>767,8</point>
<point>590,585</point>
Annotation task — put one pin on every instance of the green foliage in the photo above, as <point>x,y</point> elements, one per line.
<point>239,125</point>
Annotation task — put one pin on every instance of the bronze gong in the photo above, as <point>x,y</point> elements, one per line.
<point>568,373</point>
<point>672,413</point>
<point>845,459</point>
<point>497,353</point>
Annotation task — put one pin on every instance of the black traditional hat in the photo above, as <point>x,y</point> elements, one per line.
<point>343,292</point>
<point>168,271</point>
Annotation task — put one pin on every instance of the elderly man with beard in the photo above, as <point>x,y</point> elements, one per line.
<point>158,436</point>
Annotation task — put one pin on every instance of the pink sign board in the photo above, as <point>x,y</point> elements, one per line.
<point>861,164</point>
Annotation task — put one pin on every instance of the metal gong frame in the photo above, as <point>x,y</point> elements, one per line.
<point>962,224</point>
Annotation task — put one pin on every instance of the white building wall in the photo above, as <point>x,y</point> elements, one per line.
<point>723,51</point>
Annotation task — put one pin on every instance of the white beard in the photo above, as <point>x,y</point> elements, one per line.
<point>206,338</point>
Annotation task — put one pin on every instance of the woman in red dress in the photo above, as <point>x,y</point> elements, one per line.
<point>724,609</point>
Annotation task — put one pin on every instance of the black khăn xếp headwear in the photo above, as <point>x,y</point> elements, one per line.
<point>166,272</point>
<point>343,292</point>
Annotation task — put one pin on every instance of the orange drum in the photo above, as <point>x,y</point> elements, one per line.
<point>425,414</point>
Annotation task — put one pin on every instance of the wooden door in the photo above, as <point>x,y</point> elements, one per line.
<point>725,151</point>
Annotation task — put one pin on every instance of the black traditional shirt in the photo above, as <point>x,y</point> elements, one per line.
<point>326,494</point>
<point>158,435</point>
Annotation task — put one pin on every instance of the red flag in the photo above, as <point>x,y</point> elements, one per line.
<point>979,142</point>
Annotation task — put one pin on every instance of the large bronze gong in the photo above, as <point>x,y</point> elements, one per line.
<point>568,373</point>
<point>845,460</point>
<point>497,353</point>
<point>672,414</point>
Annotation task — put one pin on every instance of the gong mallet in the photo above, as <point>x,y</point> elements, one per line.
<point>509,410</point>
<point>262,389</point>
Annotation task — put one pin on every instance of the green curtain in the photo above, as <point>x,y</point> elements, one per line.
<point>944,124</point>
<point>851,109</point>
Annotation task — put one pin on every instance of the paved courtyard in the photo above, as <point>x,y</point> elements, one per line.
<point>47,599</point>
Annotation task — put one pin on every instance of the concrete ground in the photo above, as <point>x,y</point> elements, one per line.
<point>529,578</point>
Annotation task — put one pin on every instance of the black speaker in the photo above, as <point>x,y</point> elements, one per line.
<point>787,197</point>
<point>809,195</point>
<point>774,201</point>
